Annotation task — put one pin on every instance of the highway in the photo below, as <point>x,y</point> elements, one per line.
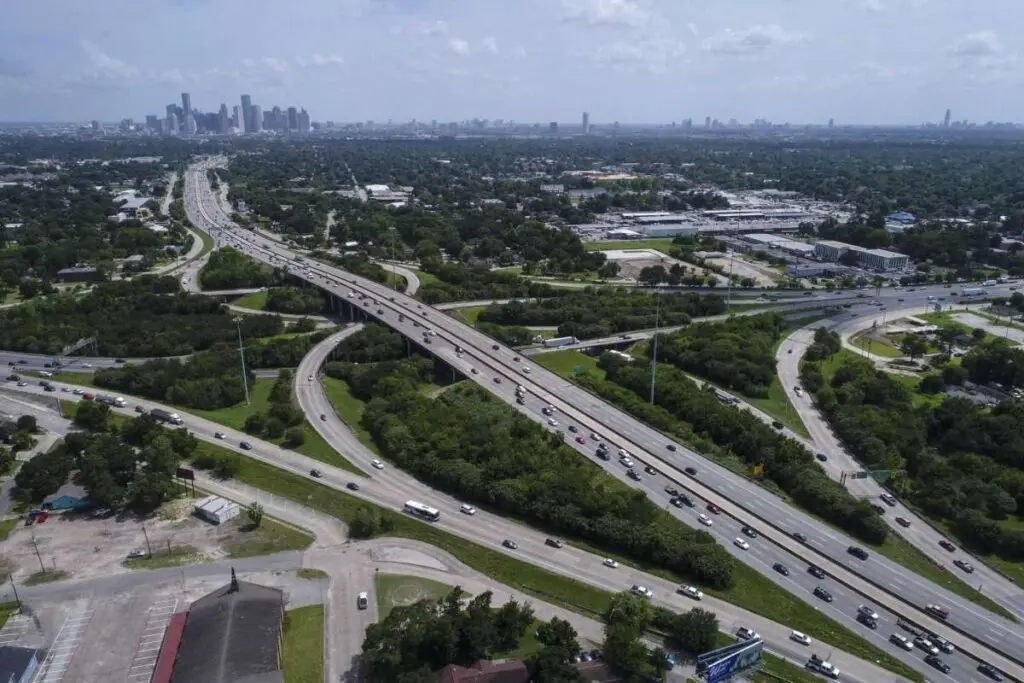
<point>391,488</point>
<point>886,583</point>
<point>920,533</point>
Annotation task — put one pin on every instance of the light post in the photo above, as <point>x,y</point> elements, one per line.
<point>241,355</point>
<point>394,267</point>
<point>654,348</point>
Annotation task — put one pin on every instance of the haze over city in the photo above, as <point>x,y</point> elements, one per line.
<point>857,61</point>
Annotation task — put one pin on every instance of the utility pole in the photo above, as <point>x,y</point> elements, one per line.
<point>394,266</point>
<point>728,294</point>
<point>654,350</point>
<point>35,546</point>
<point>241,355</point>
<point>149,549</point>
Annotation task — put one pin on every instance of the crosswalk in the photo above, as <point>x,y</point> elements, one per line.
<point>152,638</point>
<point>61,653</point>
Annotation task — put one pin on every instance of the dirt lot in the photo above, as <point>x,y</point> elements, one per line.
<point>86,547</point>
<point>630,268</point>
<point>763,276</point>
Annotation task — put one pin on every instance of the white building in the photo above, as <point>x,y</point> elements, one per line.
<point>217,510</point>
<point>669,230</point>
<point>874,259</point>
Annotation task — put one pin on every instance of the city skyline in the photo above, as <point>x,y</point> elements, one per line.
<point>536,60</point>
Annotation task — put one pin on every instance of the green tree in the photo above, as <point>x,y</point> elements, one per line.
<point>913,345</point>
<point>294,437</point>
<point>255,513</point>
<point>92,416</point>
<point>27,423</point>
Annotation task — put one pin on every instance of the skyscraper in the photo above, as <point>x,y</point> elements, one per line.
<point>303,121</point>
<point>586,122</point>
<point>707,121</point>
<point>945,120</point>
<point>236,119</point>
<point>254,121</point>
<point>186,103</point>
<point>293,118</point>
<point>190,124</point>
<point>831,123</point>
<point>223,120</point>
<point>246,123</point>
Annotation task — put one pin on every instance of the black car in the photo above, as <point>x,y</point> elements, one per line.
<point>821,457</point>
<point>692,471</point>
<point>245,446</point>
<point>671,490</point>
<point>777,424</point>
<point>816,571</point>
<point>799,537</point>
<point>554,543</point>
<point>858,552</point>
<point>820,592</point>
<point>119,360</point>
<point>316,474</point>
<point>990,671</point>
<point>671,447</point>
<point>677,502</point>
<point>352,486</point>
<point>749,532</point>
<point>651,471</point>
<point>686,501</point>
<point>934,661</point>
<point>497,380</point>
<point>867,621</point>
<point>494,346</point>
<point>520,400</point>
<point>781,568</point>
<point>573,428</point>
<point>510,544</point>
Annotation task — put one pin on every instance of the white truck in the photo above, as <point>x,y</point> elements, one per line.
<point>115,401</point>
<point>823,667</point>
<point>560,341</point>
<point>166,416</point>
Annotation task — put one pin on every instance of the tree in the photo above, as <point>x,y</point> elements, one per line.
<point>294,437</point>
<point>931,383</point>
<point>559,634</point>
<point>255,513</point>
<point>27,423</point>
<point>913,346</point>
<point>609,270</point>
<point>255,423</point>
<point>368,523</point>
<point>274,428</point>
<point>978,334</point>
<point>92,416</point>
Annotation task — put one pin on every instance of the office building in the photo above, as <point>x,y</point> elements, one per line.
<point>586,122</point>
<point>553,126</point>
<point>255,119</point>
<point>831,123</point>
<point>293,118</point>
<point>186,103</point>
<point>946,118</point>
<point>171,125</point>
<point>707,121</point>
<point>152,122</point>
<point>303,119</point>
<point>191,127</point>
<point>881,260</point>
<point>223,120</point>
<point>236,118</point>
<point>246,123</point>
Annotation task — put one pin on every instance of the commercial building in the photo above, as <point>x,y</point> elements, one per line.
<point>765,241</point>
<point>78,274</point>
<point>881,260</point>
<point>217,510</point>
<point>586,122</point>
<point>18,664</point>
<point>670,230</point>
<point>827,250</point>
<point>256,114</point>
<point>811,270</point>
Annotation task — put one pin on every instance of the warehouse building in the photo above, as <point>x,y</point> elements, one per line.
<point>217,510</point>
<point>881,260</point>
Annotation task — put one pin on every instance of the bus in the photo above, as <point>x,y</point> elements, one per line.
<point>421,510</point>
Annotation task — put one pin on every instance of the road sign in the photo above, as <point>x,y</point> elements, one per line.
<point>725,663</point>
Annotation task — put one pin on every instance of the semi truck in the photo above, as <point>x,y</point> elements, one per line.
<point>969,293</point>
<point>560,341</point>
<point>115,401</point>
<point>988,283</point>
<point>166,416</point>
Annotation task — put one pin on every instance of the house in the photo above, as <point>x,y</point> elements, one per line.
<point>484,671</point>
<point>68,497</point>
<point>18,664</point>
<point>78,274</point>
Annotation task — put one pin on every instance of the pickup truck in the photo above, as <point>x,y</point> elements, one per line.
<point>822,666</point>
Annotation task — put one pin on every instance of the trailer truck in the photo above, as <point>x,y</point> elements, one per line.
<point>166,416</point>
<point>560,341</point>
<point>115,401</point>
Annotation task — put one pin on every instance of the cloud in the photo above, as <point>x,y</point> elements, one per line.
<point>327,60</point>
<point>489,45</point>
<point>13,68</point>
<point>274,64</point>
<point>982,56</point>
<point>103,65</point>
<point>631,13</point>
<point>654,56</point>
<point>977,44</point>
<point>426,28</point>
<point>750,40</point>
<point>459,47</point>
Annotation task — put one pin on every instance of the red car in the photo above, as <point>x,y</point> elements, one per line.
<point>714,509</point>
<point>580,439</point>
<point>947,545</point>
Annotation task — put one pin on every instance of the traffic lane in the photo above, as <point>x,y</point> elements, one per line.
<point>499,360</point>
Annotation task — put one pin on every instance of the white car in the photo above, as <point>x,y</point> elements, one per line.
<point>526,370</point>
<point>704,519</point>
<point>623,453</point>
<point>377,464</point>
<point>467,509</point>
<point>362,601</point>
<point>310,378</point>
<point>609,562</point>
<point>741,544</point>
<point>626,462</point>
<point>595,436</point>
<point>552,422</point>
<point>46,373</point>
<point>902,642</point>
<point>691,592</point>
<point>218,435</point>
<point>800,638</point>
<point>642,591</point>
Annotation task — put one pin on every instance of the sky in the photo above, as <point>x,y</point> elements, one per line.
<point>634,61</point>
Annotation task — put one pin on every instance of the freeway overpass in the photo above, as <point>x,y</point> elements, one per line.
<point>977,632</point>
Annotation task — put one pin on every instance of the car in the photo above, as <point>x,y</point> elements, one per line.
<point>552,422</point>
<point>705,520</point>
<point>777,424</point>
<point>609,562</point>
<point>554,542</point>
<point>867,621</point>
<point>136,554</point>
<point>740,543</point>
<point>497,380</point>
<point>218,435</point>
<point>671,491</point>
<point>362,601</point>
<point>138,409</point>
<point>943,644</point>
<point>692,471</point>
<point>310,378</point>
<point>799,537</point>
<point>946,545</point>
<point>595,436</point>
<point>580,440</point>
<point>377,464</point>
<point>119,360</point>
<point>799,637</point>
<point>901,641</point>
<point>352,486</point>
<point>245,446</point>
<point>821,457</point>
<point>316,474</point>
<point>749,532</point>
<point>903,522</point>
<point>781,568</point>
<point>990,671</point>
<point>816,571</point>
<point>857,552</point>
<point>323,417</point>
<point>494,347</point>
<point>888,499</point>
<point>671,447</point>
<point>685,499</point>
<point>937,611</point>
<point>473,370</point>
<point>822,594</point>
<point>467,509</point>
<point>651,471</point>
<point>934,661</point>
<point>641,591</point>
<point>626,461</point>
<point>867,611</point>
<point>691,592</point>
<point>633,474</point>
<point>547,410</point>
<point>714,509</point>
<point>878,508</point>
<point>676,502</point>
<point>744,633</point>
<point>964,565</point>
<point>510,544</point>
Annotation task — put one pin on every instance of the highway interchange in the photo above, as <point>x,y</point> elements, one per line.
<point>760,509</point>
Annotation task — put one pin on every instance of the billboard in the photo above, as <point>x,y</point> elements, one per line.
<point>185,473</point>
<point>725,663</point>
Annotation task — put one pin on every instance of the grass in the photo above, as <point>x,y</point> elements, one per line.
<point>879,346</point>
<point>208,242</point>
<point>312,574</point>
<point>658,244</point>
<point>349,408</point>
<point>778,405</point>
<point>752,591</point>
<point>568,363</point>
<point>303,651</point>
<point>256,301</point>
<point>177,556</point>
<point>775,669</point>
<point>270,537</point>
<point>399,590</point>
<point>470,315</point>
<point>426,278</point>
<point>7,526</point>
<point>8,610</point>
<point>528,644</point>
<point>46,576</point>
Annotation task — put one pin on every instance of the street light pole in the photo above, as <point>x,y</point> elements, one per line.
<point>654,350</point>
<point>394,266</point>
<point>241,355</point>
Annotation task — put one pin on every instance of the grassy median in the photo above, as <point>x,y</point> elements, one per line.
<point>303,655</point>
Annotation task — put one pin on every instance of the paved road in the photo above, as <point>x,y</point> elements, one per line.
<point>887,584</point>
<point>412,280</point>
<point>390,487</point>
<point>920,533</point>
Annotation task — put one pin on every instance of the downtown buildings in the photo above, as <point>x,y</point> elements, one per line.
<point>249,118</point>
